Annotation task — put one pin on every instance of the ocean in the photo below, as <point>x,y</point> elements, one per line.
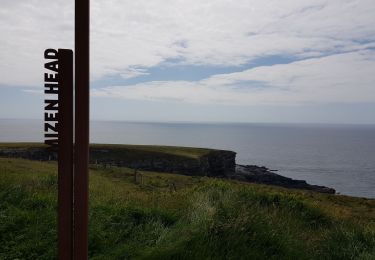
<point>337,156</point>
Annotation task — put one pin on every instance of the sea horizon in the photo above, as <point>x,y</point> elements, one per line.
<point>215,122</point>
<point>333,155</point>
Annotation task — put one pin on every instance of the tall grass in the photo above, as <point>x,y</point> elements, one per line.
<point>201,219</point>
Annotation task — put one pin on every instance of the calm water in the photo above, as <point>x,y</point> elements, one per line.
<point>338,156</point>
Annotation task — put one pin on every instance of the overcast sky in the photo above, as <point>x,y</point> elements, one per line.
<point>194,60</point>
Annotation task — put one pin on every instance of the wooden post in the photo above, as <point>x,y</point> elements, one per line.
<point>81,152</point>
<point>65,155</point>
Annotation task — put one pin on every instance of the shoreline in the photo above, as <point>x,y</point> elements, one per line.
<point>170,159</point>
<point>263,175</point>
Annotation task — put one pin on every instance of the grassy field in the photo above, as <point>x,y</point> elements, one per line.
<point>166,216</point>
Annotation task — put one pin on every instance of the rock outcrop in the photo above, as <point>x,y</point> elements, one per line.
<point>30,153</point>
<point>212,163</point>
<point>261,174</point>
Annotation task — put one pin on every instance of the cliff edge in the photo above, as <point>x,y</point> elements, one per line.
<point>171,159</point>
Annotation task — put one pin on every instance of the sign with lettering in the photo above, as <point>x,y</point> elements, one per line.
<point>58,133</point>
<point>51,103</point>
<point>73,192</point>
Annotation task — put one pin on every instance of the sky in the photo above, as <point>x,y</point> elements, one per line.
<point>300,61</point>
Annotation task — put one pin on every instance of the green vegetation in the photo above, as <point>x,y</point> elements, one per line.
<point>115,150</point>
<point>133,153</point>
<point>22,145</point>
<point>191,152</point>
<point>167,216</point>
<point>114,153</point>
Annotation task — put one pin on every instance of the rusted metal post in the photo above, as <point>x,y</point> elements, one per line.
<point>65,155</point>
<point>81,148</point>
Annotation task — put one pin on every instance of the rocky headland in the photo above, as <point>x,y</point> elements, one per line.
<point>261,174</point>
<point>182,160</point>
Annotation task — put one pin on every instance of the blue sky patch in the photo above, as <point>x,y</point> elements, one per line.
<point>176,70</point>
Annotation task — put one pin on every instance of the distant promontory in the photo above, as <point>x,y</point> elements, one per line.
<point>170,159</point>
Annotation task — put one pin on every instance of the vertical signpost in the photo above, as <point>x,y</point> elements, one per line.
<point>81,153</point>
<point>58,127</point>
<point>65,155</point>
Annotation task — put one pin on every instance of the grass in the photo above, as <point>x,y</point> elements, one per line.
<point>191,152</point>
<point>134,153</point>
<point>119,149</point>
<point>169,216</point>
<point>127,154</point>
<point>22,145</point>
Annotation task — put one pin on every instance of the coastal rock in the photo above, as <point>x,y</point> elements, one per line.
<point>215,163</point>
<point>261,174</point>
<point>219,163</point>
<point>32,153</point>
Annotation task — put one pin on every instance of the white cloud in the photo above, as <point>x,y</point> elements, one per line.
<point>27,28</point>
<point>341,78</point>
<point>133,72</point>
<point>129,34</point>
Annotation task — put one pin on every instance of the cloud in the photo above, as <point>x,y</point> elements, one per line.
<point>339,78</point>
<point>27,28</point>
<point>129,34</point>
<point>133,72</point>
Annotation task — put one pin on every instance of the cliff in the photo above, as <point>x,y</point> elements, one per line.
<point>262,175</point>
<point>182,160</point>
<point>170,159</point>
